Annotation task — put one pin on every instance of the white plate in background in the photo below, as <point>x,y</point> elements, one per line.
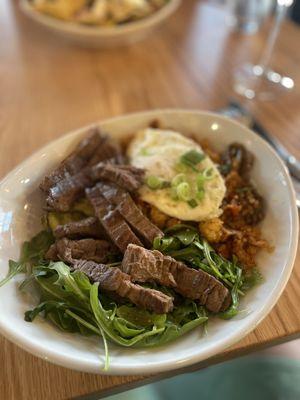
<point>102,36</point>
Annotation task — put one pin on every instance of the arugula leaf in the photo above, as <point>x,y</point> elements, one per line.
<point>34,250</point>
<point>171,333</point>
<point>31,252</point>
<point>14,268</point>
<point>126,329</point>
<point>186,312</point>
<point>252,278</point>
<point>66,279</point>
<point>233,309</point>
<point>105,324</point>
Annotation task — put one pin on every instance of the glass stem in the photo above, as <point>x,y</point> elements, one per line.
<point>264,61</point>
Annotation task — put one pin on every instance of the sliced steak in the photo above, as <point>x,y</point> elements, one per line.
<point>67,182</point>
<point>125,176</point>
<point>75,161</point>
<point>112,221</point>
<point>51,253</point>
<point>132,214</point>
<point>109,150</point>
<point>152,266</point>
<point>89,249</point>
<point>117,282</point>
<point>63,195</point>
<point>86,228</point>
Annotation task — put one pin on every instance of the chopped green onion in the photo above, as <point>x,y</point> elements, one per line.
<point>183,191</point>
<point>154,182</point>
<point>200,181</point>
<point>208,173</point>
<point>192,158</point>
<point>192,203</point>
<point>200,194</point>
<point>178,179</point>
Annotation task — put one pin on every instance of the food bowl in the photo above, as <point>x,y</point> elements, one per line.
<point>107,36</point>
<point>20,210</point>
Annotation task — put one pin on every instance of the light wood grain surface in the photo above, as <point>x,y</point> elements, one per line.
<point>49,87</point>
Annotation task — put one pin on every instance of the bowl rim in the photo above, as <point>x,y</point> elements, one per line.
<point>164,365</point>
<point>108,31</point>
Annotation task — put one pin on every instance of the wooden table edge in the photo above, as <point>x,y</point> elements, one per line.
<point>228,355</point>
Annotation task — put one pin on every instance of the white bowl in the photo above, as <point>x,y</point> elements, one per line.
<point>20,210</point>
<point>102,36</point>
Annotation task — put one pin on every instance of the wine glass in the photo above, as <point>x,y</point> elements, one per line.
<point>259,80</point>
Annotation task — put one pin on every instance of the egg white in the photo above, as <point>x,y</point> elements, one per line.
<point>158,151</point>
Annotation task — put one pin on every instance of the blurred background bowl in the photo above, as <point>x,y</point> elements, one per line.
<point>102,36</point>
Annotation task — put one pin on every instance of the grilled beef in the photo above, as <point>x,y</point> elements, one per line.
<point>132,214</point>
<point>89,249</point>
<point>67,182</point>
<point>75,161</point>
<point>113,280</point>
<point>109,150</point>
<point>112,221</point>
<point>125,176</point>
<point>85,228</point>
<point>152,266</point>
<point>63,195</point>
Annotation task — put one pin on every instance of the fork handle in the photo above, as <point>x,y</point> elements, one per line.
<point>292,163</point>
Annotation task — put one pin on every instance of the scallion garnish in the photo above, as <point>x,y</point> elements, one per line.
<point>200,179</point>
<point>178,179</point>
<point>154,183</point>
<point>183,191</point>
<point>192,203</point>
<point>200,194</point>
<point>192,158</point>
<point>208,173</point>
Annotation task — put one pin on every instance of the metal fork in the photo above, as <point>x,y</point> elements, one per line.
<point>236,111</point>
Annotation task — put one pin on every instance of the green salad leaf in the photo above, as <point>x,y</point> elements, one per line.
<point>251,279</point>
<point>197,253</point>
<point>14,268</point>
<point>233,309</point>
<point>73,304</point>
<point>31,252</point>
<point>34,250</point>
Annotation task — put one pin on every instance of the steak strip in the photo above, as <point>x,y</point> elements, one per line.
<point>117,282</point>
<point>75,161</point>
<point>125,176</point>
<point>133,215</point>
<point>152,266</point>
<point>109,150</point>
<point>86,228</point>
<point>100,251</point>
<point>64,193</point>
<point>112,221</point>
<point>67,182</point>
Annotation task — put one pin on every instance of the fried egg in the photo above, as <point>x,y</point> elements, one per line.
<point>160,153</point>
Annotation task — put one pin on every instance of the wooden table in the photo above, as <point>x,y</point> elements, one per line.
<point>49,87</point>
